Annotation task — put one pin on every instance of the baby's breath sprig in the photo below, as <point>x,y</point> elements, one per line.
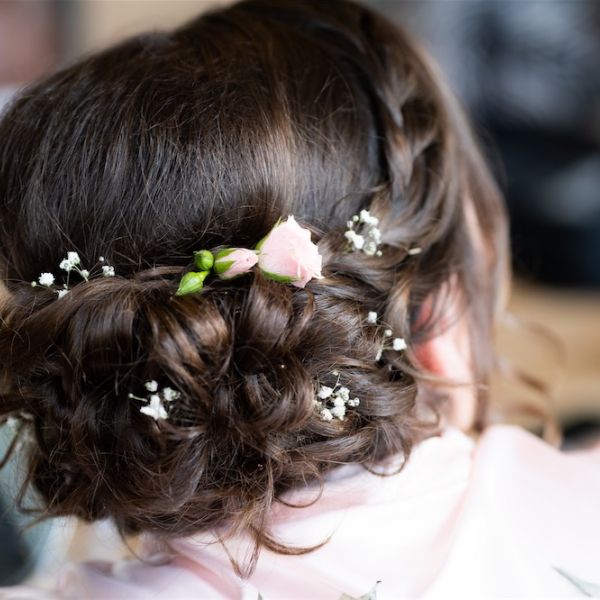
<point>72,262</point>
<point>107,270</point>
<point>154,402</point>
<point>363,234</point>
<point>390,342</point>
<point>331,402</point>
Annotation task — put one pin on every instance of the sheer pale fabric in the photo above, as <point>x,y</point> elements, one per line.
<point>500,517</point>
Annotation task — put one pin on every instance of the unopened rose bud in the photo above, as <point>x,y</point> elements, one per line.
<point>232,262</point>
<point>191,282</point>
<point>204,260</point>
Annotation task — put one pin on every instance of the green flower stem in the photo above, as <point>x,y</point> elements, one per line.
<point>279,278</point>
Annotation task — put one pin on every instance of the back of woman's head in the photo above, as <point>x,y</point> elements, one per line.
<point>203,138</point>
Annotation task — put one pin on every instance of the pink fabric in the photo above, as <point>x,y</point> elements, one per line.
<point>462,520</point>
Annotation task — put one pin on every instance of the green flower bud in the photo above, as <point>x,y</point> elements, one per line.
<point>191,283</point>
<point>204,260</point>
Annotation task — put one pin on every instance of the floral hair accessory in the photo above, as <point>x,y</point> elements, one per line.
<point>232,262</point>
<point>331,402</point>
<point>154,402</point>
<point>286,254</point>
<point>397,344</point>
<point>363,234</point>
<point>72,262</point>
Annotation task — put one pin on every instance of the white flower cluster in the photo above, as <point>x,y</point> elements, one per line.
<point>363,234</point>
<point>71,263</point>
<point>398,344</point>
<point>154,404</point>
<point>107,270</point>
<point>331,402</point>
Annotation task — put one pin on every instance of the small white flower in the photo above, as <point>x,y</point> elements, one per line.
<point>169,394</point>
<point>370,248</point>
<point>332,402</point>
<point>33,283</point>
<point>339,412</point>
<point>343,393</point>
<point>69,263</point>
<point>46,279</point>
<point>73,258</point>
<point>85,273</point>
<point>366,236</point>
<point>368,219</point>
<point>324,392</point>
<point>356,241</point>
<point>101,258</point>
<point>155,409</point>
<point>151,386</point>
<point>61,293</point>
<point>326,415</point>
<point>108,271</point>
<point>372,317</point>
<point>387,333</point>
<point>375,235</point>
<point>399,344</point>
<point>415,251</point>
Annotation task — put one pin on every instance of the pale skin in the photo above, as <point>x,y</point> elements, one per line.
<point>448,354</point>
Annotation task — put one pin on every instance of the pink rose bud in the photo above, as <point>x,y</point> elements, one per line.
<point>232,262</point>
<point>286,254</point>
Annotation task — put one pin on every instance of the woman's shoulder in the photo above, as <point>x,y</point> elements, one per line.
<point>508,452</point>
<point>530,509</point>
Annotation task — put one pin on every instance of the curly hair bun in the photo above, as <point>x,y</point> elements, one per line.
<point>204,138</point>
<point>245,355</point>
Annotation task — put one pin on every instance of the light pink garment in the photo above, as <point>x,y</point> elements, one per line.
<point>463,520</point>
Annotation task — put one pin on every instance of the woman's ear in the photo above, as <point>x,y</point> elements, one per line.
<point>447,354</point>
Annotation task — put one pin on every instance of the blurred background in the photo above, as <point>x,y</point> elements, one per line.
<point>528,71</point>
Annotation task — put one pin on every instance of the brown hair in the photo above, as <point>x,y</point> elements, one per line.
<point>203,137</point>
